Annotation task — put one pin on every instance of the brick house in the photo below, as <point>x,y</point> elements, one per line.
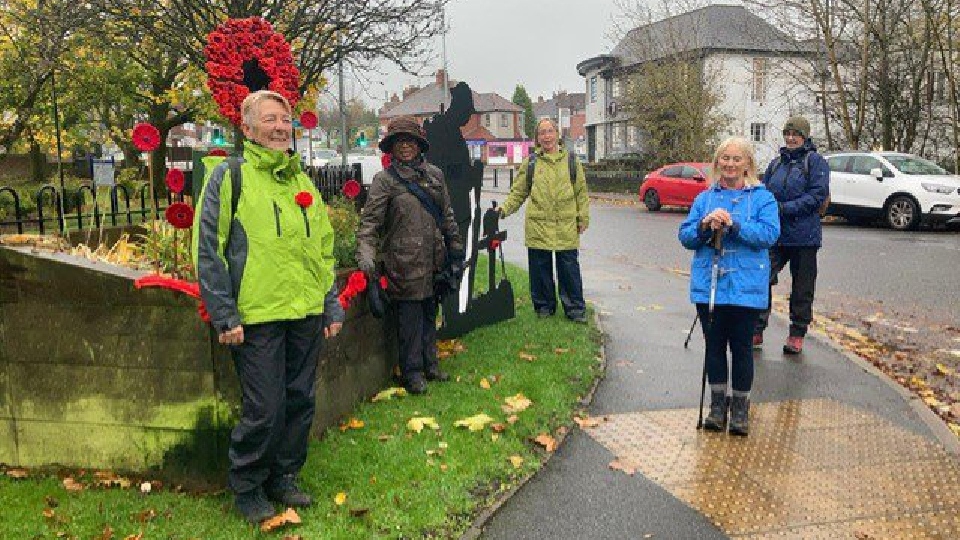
<point>494,134</point>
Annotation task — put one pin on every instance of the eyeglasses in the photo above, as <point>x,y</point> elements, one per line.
<point>404,138</point>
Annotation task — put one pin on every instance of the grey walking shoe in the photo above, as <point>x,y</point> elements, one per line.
<point>254,507</point>
<point>740,416</point>
<point>285,491</point>
<point>717,419</point>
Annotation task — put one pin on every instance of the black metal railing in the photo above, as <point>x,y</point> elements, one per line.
<point>49,214</point>
<point>330,179</point>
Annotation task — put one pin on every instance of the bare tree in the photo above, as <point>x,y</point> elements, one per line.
<point>671,90</point>
<point>321,32</point>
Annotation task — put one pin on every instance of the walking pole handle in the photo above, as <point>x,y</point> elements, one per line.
<point>716,241</point>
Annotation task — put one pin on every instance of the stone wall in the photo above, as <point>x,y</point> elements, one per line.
<point>95,373</point>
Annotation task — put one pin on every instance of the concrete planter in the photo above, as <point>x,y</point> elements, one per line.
<point>95,373</point>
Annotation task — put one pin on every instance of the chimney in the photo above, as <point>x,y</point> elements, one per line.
<point>539,99</point>
<point>440,76</point>
<point>409,90</point>
<point>394,99</point>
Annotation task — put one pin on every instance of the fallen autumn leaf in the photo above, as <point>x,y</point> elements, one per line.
<point>290,516</point>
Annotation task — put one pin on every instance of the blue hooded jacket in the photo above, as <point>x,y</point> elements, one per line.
<point>799,196</point>
<point>744,265</point>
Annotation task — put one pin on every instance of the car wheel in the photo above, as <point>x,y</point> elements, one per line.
<point>652,200</point>
<point>902,213</point>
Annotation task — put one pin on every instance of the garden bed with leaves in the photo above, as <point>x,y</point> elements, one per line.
<point>401,466</point>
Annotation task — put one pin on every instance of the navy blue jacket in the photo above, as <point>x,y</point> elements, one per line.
<point>799,196</point>
<point>744,266</point>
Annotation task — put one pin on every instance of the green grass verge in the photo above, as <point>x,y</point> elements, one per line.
<point>398,483</point>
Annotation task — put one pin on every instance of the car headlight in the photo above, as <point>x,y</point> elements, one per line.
<point>937,188</point>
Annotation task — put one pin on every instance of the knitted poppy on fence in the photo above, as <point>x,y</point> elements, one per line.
<point>351,188</point>
<point>146,137</point>
<point>180,215</point>
<point>309,120</point>
<point>246,55</point>
<point>175,180</point>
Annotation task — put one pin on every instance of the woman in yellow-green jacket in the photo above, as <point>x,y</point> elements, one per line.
<point>557,215</point>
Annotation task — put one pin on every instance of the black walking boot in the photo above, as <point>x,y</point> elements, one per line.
<point>254,507</point>
<point>740,415</point>
<point>717,419</point>
<point>415,384</point>
<point>435,374</point>
<point>284,490</point>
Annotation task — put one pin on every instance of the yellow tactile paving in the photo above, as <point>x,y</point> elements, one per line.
<point>810,469</point>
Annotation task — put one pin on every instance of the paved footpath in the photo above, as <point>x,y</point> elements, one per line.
<point>834,451</point>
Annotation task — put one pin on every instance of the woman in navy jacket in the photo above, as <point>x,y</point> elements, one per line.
<point>740,208</point>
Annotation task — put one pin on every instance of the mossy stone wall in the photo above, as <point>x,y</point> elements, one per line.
<point>95,373</point>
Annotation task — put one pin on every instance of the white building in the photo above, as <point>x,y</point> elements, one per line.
<point>748,58</point>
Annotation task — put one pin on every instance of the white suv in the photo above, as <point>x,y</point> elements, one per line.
<point>902,189</point>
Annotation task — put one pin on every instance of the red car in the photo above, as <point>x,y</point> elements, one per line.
<point>676,184</point>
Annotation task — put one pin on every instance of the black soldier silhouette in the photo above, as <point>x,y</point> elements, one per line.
<point>448,150</point>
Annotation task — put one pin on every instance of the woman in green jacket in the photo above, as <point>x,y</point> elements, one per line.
<point>557,215</point>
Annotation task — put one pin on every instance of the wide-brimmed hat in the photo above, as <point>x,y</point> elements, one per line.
<point>403,125</point>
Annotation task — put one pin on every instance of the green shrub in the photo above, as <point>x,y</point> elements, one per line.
<point>345,220</point>
<point>159,246</point>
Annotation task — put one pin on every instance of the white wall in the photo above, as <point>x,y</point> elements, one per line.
<point>785,97</point>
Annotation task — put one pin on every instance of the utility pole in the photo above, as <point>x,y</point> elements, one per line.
<point>343,99</point>
<point>443,91</point>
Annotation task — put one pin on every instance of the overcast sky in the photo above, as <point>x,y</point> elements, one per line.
<point>495,44</point>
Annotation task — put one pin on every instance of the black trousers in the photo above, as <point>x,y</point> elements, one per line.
<point>731,326</point>
<point>277,366</point>
<point>803,273</point>
<point>543,291</point>
<point>417,335</point>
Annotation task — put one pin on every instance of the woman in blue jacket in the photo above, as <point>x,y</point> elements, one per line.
<point>738,207</point>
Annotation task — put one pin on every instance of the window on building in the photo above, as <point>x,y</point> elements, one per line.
<point>486,120</point>
<point>619,135</point>
<point>758,132</point>
<point>504,120</point>
<point>617,88</point>
<point>633,136</point>
<point>759,89</point>
<point>593,89</point>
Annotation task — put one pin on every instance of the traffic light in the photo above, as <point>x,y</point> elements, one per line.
<point>218,137</point>
<point>362,139</point>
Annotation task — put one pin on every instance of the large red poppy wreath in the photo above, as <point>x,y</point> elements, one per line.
<point>246,55</point>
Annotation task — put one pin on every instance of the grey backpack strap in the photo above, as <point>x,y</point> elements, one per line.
<point>236,183</point>
<point>571,164</point>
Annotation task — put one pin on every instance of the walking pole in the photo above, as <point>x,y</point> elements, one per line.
<point>686,342</point>
<point>717,243</point>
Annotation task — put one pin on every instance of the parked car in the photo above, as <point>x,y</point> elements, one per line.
<point>901,189</point>
<point>676,184</point>
<point>325,156</point>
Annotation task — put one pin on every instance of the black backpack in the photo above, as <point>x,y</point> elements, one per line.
<point>571,164</point>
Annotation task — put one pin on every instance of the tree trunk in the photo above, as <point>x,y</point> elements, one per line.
<point>39,167</point>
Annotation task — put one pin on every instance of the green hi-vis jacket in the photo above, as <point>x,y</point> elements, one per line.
<point>557,205</point>
<point>272,260</point>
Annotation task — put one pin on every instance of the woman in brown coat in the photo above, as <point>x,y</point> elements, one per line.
<point>408,221</point>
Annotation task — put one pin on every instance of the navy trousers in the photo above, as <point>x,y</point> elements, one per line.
<point>417,335</point>
<point>277,367</point>
<point>731,326</point>
<point>543,291</point>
